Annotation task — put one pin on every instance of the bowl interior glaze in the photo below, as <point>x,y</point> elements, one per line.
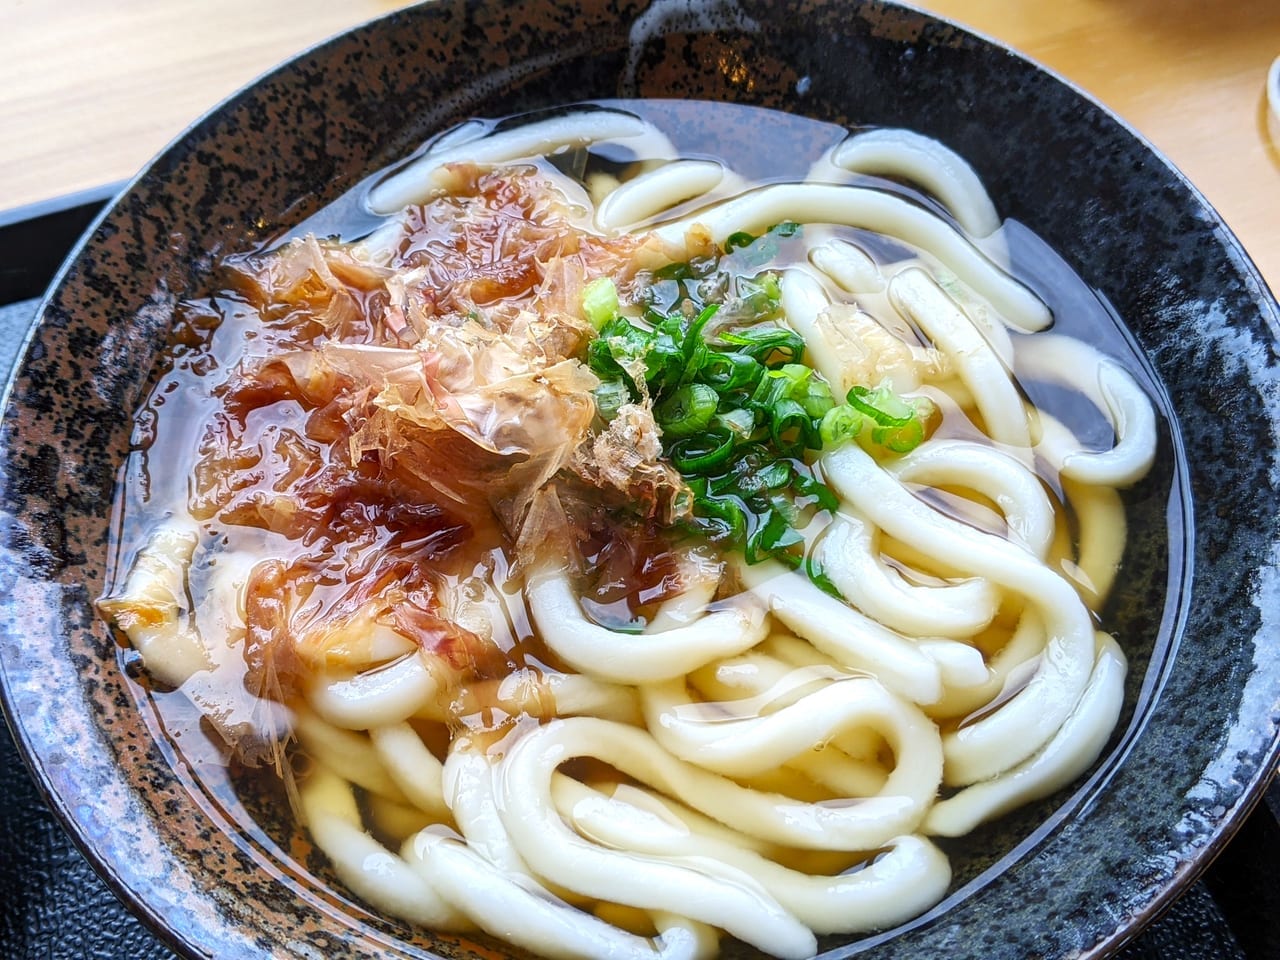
<point>1074,875</point>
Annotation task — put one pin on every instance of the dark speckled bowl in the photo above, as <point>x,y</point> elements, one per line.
<point>1074,876</point>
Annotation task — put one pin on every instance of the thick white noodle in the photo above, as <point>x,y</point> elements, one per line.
<point>348,753</point>
<point>470,791</point>
<point>759,684</point>
<point>928,163</point>
<point>170,649</point>
<point>803,300</point>
<point>369,869</point>
<point>833,769</point>
<point>1072,751</point>
<point>687,606</point>
<point>1007,671</point>
<point>745,746</point>
<point>706,891</point>
<point>412,767</point>
<point>849,555</point>
<point>414,182</point>
<point>645,811</point>
<point>847,346</point>
<point>1102,529</point>
<point>1015,490</point>
<point>871,210</point>
<point>384,645</point>
<point>1110,388</point>
<point>378,697</point>
<point>650,193</point>
<point>577,695</point>
<point>848,265</point>
<point>628,658</point>
<point>897,885</point>
<point>769,816</point>
<point>470,785</point>
<point>962,666</point>
<point>1024,723</point>
<point>919,298</point>
<point>522,914</point>
<point>850,638</point>
<point>394,821</point>
<point>542,694</point>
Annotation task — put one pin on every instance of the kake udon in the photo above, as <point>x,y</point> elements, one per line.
<point>612,552</point>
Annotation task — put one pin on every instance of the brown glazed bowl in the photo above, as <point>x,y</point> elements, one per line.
<point>1076,875</point>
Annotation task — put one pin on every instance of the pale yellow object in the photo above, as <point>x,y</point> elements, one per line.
<point>1273,88</point>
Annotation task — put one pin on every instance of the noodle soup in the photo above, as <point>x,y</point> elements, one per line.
<point>614,545</point>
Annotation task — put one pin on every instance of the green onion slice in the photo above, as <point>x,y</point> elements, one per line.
<point>702,453</point>
<point>610,396</point>
<point>688,411</point>
<point>787,427</point>
<point>882,405</point>
<point>721,519</point>
<point>839,424</point>
<point>600,302</point>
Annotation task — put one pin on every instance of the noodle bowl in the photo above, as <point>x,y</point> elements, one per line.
<point>535,519</point>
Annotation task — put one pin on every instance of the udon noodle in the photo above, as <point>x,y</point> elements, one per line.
<point>435,510</point>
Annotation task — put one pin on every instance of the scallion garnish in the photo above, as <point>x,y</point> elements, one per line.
<point>699,456</point>
<point>689,410</point>
<point>600,302</point>
<point>610,396</point>
<point>739,409</point>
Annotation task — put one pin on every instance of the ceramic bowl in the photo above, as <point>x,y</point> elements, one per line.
<point>1075,875</point>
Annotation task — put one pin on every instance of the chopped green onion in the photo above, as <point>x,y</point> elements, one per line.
<point>701,454</point>
<point>698,486</point>
<point>820,579</point>
<point>797,374</point>
<point>610,396</point>
<point>821,495</point>
<point>674,271</point>
<point>787,423</point>
<point>732,371</point>
<point>882,405</point>
<point>600,302</point>
<point>776,475</point>
<point>752,299</point>
<point>839,424</point>
<point>816,399</point>
<point>772,538</point>
<point>739,409</point>
<point>901,439</point>
<point>761,343</point>
<point>899,421</point>
<point>687,411</point>
<point>738,420</point>
<point>721,519</point>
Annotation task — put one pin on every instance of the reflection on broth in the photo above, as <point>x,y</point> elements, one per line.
<point>622,545</point>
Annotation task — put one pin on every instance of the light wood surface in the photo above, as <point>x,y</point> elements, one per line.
<point>91,89</point>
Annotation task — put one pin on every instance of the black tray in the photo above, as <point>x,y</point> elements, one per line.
<point>53,905</point>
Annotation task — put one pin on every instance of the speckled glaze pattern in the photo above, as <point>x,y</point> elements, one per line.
<point>1073,877</point>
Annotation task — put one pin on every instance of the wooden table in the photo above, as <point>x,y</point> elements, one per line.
<point>91,89</point>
